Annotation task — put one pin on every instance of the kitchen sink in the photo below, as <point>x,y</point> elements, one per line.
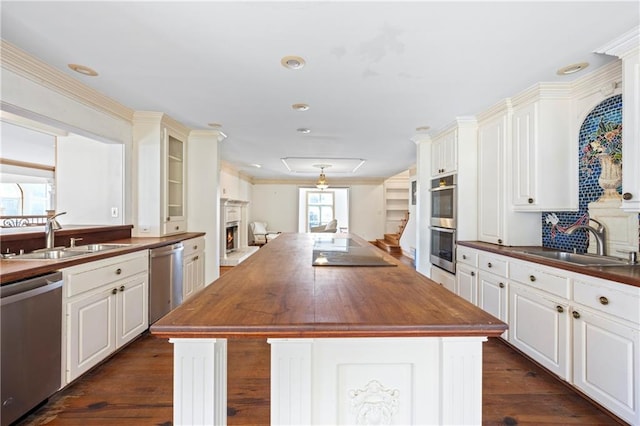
<point>46,255</point>
<point>65,252</point>
<point>581,259</point>
<point>92,248</point>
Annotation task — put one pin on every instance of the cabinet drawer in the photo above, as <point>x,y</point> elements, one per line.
<point>615,299</point>
<point>96,274</point>
<point>493,264</point>
<point>174,227</point>
<point>192,246</point>
<point>466,255</point>
<point>535,276</point>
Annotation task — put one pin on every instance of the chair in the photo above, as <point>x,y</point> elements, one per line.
<point>259,235</point>
<point>332,226</point>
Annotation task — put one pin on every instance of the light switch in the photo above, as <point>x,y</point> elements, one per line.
<point>114,212</point>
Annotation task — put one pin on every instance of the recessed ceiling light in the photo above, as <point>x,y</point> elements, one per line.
<point>83,70</point>
<point>573,68</point>
<point>300,107</point>
<point>303,130</point>
<point>257,166</point>
<point>292,62</point>
<point>215,125</point>
<point>422,128</point>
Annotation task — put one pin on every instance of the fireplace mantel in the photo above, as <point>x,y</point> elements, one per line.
<point>234,213</point>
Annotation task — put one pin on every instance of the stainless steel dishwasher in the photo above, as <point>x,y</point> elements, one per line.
<point>165,280</point>
<point>31,326</point>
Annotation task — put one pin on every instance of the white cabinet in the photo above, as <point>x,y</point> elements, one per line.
<point>539,326</point>
<point>192,266</point>
<point>606,345</point>
<point>444,154</point>
<point>493,297</point>
<point>159,155</point>
<point>467,282</point>
<point>627,48</point>
<point>105,306</point>
<point>498,223</point>
<point>544,175</point>
<point>444,278</point>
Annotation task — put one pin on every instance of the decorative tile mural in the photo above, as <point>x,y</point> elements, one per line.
<point>605,118</point>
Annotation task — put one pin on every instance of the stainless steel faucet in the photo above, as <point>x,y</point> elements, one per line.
<point>598,233</point>
<point>50,227</point>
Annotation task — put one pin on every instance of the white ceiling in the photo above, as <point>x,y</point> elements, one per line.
<point>375,70</point>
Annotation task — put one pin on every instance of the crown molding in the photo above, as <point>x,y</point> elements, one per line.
<point>603,76</point>
<point>220,136</point>
<point>623,45</point>
<point>501,107</point>
<point>31,68</point>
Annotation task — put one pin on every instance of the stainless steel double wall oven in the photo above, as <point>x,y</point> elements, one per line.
<point>443,223</point>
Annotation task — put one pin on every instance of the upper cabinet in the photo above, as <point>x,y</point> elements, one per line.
<point>159,175</point>
<point>498,222</point>
<point>544,175</point>
<point>627,48</point>
<point>444,154</point>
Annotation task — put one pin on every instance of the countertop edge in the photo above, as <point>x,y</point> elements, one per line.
<point>629,275</point>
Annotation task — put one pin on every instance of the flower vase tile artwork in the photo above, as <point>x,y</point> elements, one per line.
<point>605,148</point>
<point>600,173</point>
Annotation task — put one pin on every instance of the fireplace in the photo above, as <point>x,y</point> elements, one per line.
<point>232,237</point>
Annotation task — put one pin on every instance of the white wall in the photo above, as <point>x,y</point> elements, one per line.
<point>277,204</point>
<point>89,181</point>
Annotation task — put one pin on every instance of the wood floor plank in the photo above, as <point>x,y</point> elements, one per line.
<point>135,388</point>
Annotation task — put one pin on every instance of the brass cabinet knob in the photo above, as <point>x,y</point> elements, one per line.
<point>501,285</point>
<point>196,258</point>
<point>473,274</point>
<point>489,264</point>
<point>195,247</point>
<point>114,291</point>
<point>576,314</point>
<point>627,196</point>
<point>604,300</point>
<point>499,241</point>
<point>118,271</point>
<point>464,256</point>
<point>121,288</point>
<point>530,200</point>
<point>560,309</point>
<point>168,219</point>
<point>532,278</point>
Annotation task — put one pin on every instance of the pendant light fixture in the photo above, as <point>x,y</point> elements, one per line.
<point>322,181</point>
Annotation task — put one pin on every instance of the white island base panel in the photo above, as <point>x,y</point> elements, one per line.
<point>342,381</point>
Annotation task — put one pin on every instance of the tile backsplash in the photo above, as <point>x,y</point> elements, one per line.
<point>608,111</point>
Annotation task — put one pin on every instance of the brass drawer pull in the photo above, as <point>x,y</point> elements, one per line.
<point>530,200</point>
<point>121,288</point>
<point>501,285</point>
<point>464,256</point>
<point>532,278</point>
<point>560,309</point>
<point>196,258</point>
<point>118,271</point>
<point>576,314</point>
<point>489,264</point>
<point>473,274</point>
<point>604,300</point>
<point>114,291</point>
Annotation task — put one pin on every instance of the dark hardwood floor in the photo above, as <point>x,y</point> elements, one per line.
<point>135,387</point>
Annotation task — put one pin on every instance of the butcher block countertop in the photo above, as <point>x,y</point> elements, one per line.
<point>622,274</point>
<point>278,293</point>
<point>14,270</point>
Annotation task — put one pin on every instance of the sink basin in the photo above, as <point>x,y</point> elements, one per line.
<point>45,255</point>
<point>580,259</point>
<point>92,248</point>
<point>62,253</point>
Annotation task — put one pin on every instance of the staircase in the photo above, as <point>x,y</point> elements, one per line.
<point>391,242</point>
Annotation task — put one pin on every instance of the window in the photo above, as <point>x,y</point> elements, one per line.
<point>320,208</point>
<point>25,199</point>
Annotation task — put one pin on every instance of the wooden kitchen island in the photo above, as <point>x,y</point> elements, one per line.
<point>349,344</point>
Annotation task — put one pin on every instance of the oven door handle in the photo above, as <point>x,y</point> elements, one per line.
<point>447,230</point>
<point>442,188</point>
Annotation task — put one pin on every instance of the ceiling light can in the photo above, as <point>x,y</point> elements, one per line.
<point>300,107</point>
<point>84,70</point>
<point>303,130</point>
<point>572,69</point>
<point>293,62</point>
